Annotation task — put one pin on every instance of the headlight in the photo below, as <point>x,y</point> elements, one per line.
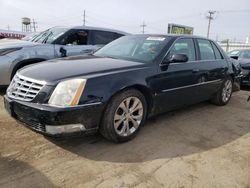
<point>67,93</point>
<point>7,51</point>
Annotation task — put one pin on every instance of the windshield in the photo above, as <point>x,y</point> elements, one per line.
<point>135,48</point>
<point>49,35</point>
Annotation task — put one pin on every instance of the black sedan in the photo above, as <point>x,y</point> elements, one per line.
<point>243,58</point>
<point>118,87</point>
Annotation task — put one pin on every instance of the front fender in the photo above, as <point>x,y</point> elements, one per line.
<point>103,88</point>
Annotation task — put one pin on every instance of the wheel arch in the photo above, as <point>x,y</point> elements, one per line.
<point>141,88</point>
<point>23,63</point>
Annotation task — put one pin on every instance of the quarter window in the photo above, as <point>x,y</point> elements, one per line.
<point>184,46</point>
<point>216,51</point>
<point>206,50</point>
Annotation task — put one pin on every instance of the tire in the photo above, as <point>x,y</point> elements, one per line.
<point>119,123</point>
<point>223,96</point>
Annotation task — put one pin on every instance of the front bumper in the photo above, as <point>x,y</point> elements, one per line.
<point>55,121</point>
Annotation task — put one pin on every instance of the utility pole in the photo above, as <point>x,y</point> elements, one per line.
<point>34,24</point>
<point>143,27</point>
<point>84,18</point>
<point>210,17</point>
<point>8,27</point>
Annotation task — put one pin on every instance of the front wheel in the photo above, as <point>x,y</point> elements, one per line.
<point>124,116</point>
<point>223,96</point>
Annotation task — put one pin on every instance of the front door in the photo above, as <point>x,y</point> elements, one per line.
<point>176,86</point>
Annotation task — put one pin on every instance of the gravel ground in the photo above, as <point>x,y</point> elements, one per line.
<point>199,146</point>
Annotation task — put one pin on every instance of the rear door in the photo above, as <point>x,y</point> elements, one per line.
<point>177,85</point>
<point>212,67</point>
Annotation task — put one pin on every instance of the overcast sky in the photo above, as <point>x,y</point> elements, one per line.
<point>231,20</point>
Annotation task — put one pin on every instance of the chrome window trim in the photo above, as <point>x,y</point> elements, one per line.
<point>197,60</point>
<point>192,85</point>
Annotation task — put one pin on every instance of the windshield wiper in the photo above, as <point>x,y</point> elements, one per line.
<point>47,37</point>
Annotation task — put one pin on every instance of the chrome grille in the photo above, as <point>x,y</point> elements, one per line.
<point>23,88</point>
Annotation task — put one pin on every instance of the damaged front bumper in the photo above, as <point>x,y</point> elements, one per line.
<point>54,121</point>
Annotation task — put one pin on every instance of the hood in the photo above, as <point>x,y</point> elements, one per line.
<point>12,43</point>
<point>244,63</point>
<point>86,67</point>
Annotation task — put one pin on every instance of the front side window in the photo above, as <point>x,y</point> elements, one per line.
<point>77,37</point>
<point>135,48</point>
<point>184,46</point>
<point>206,50</point>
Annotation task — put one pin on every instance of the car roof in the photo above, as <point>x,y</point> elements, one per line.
<point>94,28</point>
<point>172,35</point>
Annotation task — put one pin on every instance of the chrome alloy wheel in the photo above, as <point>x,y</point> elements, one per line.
<point>227,91</point>
<point>128,116</point>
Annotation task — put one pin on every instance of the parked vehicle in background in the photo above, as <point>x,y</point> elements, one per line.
<point>119,86</point>
<point>243,57</point>
<point>53,43</point>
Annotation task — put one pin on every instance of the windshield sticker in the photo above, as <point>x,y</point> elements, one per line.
<point>156,38</point>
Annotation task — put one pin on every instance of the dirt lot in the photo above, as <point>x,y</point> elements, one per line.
<point>199,146</point>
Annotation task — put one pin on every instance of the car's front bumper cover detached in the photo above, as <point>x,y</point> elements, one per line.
<point>55,121</point>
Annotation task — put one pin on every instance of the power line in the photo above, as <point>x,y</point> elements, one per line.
<point>210,17</point>
<point>143,27</point>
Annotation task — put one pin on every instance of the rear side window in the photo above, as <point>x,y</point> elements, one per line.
<point>184,46</point>
<point>216,52</point>
<point>206,50</point>
<point>103,37</point>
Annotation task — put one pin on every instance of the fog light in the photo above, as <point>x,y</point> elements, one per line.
<point>71,128</point>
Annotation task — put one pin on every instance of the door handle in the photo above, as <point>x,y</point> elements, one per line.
<point>195,70</point>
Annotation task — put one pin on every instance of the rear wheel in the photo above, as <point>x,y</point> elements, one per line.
<point>223,96</point>
<point>124,116</point>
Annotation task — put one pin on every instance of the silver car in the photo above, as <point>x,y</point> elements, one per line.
<point>53,43</point>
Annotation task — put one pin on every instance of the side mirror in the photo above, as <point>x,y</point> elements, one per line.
<point>175,58</point>
<point>234,57</point>
<point>63,52</point>
<point>178,58</point>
